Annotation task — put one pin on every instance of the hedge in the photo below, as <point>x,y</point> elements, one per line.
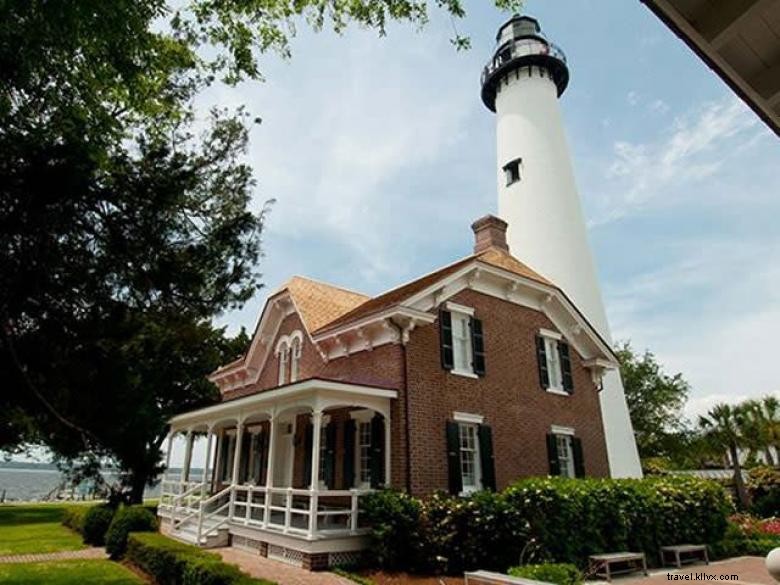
<point>73,517</point>
<point>171,562</point>
<point>557,573</point>
<point>543,520</point>
<point>126,520</point>
<point>96,523</point>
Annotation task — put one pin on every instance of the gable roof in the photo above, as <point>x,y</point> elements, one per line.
<point>318,303</point>
<point>492,256</point>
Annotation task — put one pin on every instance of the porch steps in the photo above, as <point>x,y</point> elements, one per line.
<point>188,532</point>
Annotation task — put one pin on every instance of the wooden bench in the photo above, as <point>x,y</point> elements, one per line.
<point>693,552</point>
<point>630,560</point>
<point>490,578</point>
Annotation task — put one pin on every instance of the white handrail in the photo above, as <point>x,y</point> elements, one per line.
<point>201,509</point>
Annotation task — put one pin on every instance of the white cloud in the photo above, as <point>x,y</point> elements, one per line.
<point>670,167</point>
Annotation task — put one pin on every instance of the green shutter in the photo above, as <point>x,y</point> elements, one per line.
<point>541,361</point>
<point>552,455</point>
<point>349,454</point>
<point>453,458</point>
<point>568,380</point>
<point>579,463</point>
<point>477,346</point>
<point>486,459</point>
<point>445,340</point>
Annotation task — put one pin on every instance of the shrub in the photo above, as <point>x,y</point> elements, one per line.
<point>763,485</point>
<point>126,520</point>
<point>544,520</point>
<point>747,535</point>
<point>174,563</point>
<point>96,523</point>
<point>395,520</point>
<point>73,517</point>
<point>558,573</point>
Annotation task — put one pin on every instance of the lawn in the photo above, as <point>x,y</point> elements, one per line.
<point>35,528</point>
<point>67,573</point>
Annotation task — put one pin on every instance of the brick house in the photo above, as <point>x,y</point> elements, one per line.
<point>467,378</point>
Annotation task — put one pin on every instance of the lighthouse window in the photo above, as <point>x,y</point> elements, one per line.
<point>512,171</point>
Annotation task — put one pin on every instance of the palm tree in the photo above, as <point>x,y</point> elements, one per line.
<point>770,407</point>
<point>755,429</point>
<point>722,426</point>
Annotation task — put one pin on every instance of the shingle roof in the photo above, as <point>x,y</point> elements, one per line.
<point>319,303</point>
<point>492,256</point>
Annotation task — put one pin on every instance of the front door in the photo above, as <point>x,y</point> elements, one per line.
<point>283,464</point>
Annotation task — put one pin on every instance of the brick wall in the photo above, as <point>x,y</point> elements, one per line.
<point>509,396</point>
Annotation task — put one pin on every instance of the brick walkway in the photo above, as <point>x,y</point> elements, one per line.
<point>749,570</point>
<point>282,573</point>
<point>66,555</point>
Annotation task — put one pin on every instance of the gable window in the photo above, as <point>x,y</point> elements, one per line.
<point>564,451</point>
<point>554,363</point>
<point>462,341</point>
<point>470,454</point>
<point>284,354</point>
<point>295,357</point>
<point>512,171</point>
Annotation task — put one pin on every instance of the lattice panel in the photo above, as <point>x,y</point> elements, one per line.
<point>287,555</point>
<point>347,558</point>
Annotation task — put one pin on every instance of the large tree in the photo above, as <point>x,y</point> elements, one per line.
<point>722,426</point>
<point>655,402</point>
<point>123,234</point>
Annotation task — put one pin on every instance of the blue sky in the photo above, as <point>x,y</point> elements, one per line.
<point>380,154</point>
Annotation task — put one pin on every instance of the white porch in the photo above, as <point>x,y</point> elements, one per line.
<point>284,466</point>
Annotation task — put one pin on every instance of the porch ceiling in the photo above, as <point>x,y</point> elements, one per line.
<point>314,394</point>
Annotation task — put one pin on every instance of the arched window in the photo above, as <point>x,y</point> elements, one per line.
<point>295,356</point>
<point>284,353</point>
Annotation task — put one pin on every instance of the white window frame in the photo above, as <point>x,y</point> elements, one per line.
<point>554,367</point>
<point>474,451</point>
<point>460,317</point>
<point>362,417</point>
<point>295,357</point>
<point>565,434</point>
<point>283,351</point>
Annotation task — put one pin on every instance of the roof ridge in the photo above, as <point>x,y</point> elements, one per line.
<point>323,283</point>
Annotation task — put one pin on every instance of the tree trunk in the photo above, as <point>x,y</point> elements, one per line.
<point>769,459</point>
<point>137,486</point>
<point>739,483</point>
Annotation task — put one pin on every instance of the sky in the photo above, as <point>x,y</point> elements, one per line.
<point>380,154</point>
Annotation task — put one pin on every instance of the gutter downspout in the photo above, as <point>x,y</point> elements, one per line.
<point>403,333</point>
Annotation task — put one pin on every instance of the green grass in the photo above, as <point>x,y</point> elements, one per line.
<point>68,573</point>
<point>35,528</point>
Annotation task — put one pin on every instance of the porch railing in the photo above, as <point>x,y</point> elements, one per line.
<point>309,514</point>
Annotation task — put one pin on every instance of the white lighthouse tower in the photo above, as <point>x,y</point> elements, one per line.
<point>538,198</point>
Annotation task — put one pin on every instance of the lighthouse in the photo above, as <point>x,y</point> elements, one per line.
<point>537,195</point>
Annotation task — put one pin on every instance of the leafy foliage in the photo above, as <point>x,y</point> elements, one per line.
<point>655,400</point>
<point>557,573</point>
<point>126,520</point>
<point>763,486</point>
<point>544,520</point>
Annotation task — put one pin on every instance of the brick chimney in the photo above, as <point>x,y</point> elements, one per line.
<point>489,232</point>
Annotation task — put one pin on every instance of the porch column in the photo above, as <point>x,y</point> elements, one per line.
<point>316,421</point>
<point>388,436</point>
<point>269,469</point>
<point>251,464</point>
<point>185,472</point>
<point>204,479</point>
<point>218,461</point>
<point>169,441</point>
<point>315,470</point>
<point>237,451</point>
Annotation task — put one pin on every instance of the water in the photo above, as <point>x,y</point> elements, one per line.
<point>32,482</point>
